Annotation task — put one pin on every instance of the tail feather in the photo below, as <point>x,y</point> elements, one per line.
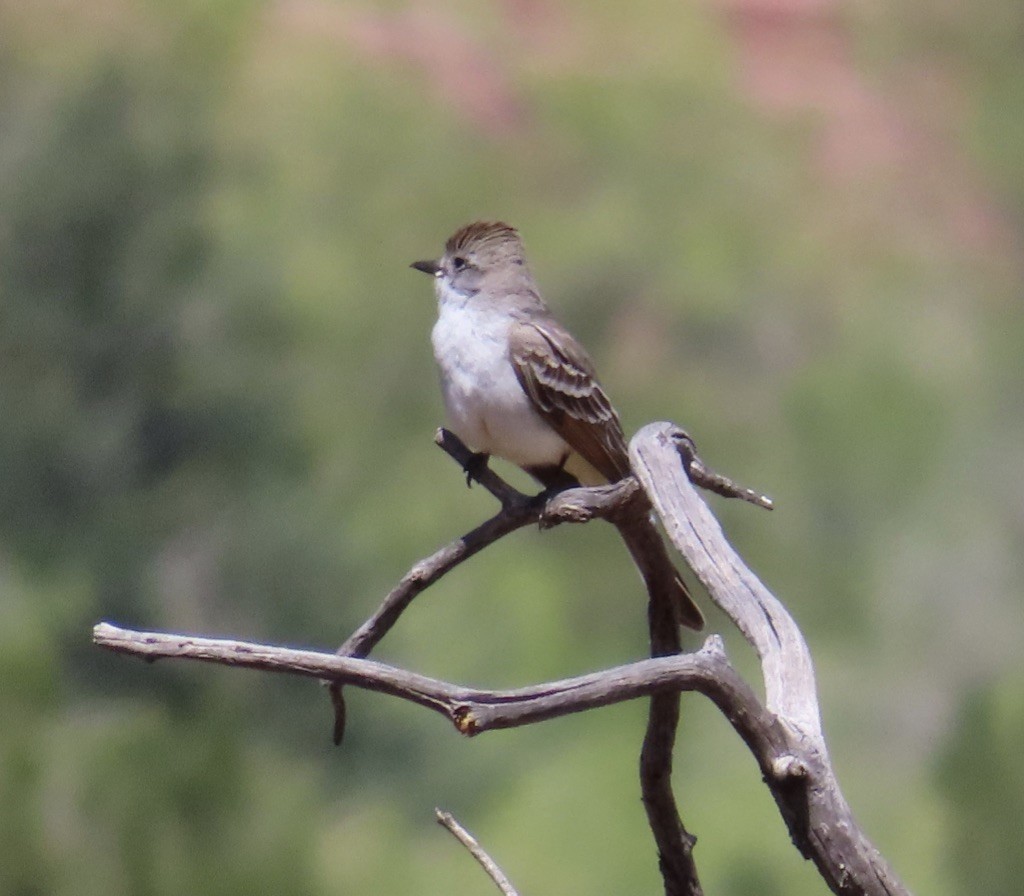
<point>645,546</point>
<point>688,611</point>
<point>652,560</point>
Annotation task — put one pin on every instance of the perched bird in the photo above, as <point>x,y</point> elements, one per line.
<point>517,384</point>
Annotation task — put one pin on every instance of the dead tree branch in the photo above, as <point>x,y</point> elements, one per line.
<point>674,843</point>
<point>449,823</point>
<point>784,734</point>
<point>623,504</point>
<point>517,510</point>
<point>472,710</point>
<point>803,783</point>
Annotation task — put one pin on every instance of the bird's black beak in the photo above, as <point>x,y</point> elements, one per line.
<point>428,267</point>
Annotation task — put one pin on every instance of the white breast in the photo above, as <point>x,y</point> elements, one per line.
<point>486,406</point>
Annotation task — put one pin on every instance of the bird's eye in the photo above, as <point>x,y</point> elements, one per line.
<point>459,263</point>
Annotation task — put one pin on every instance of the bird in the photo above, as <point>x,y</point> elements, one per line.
<point>517,385</point>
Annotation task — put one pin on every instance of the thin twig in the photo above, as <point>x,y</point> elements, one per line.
<point>517,510</point>
<point>702,475</point>
<point>418,579</point>
<point>480,473</point>
<point>447,820</point>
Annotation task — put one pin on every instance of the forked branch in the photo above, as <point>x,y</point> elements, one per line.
<point>473,711</point>
<point>803,783</point>
<point>784,734</point>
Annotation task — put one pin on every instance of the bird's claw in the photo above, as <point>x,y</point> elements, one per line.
<point>475,466</point>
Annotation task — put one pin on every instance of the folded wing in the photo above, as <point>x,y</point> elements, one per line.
<point>556,373</point>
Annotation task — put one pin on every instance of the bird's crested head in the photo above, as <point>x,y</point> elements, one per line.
<point>484,252</point>
<point>486,243</point>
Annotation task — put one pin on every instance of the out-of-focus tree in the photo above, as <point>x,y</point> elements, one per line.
<point>796,235</point>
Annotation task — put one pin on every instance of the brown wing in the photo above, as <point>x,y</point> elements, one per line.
<point>556,373</point>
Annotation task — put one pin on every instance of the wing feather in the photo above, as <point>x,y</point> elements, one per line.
<point>556,373</point>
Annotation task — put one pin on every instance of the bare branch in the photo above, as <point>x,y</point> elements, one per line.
<point>706,478</point>
<point>674,843</point>
<point>453,446</point>
<point>627,507</point>
<point>472,710</point>
<point>428,571</point>
<point>517,510</point>
<point>803,783</point>
<point>447,820</point>
<point>784,735</point>
<point>780,752</point>
<point>786,661</point>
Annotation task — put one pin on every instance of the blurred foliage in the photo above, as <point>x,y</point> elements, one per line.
<point>217,399</point>
<point>982,777</point>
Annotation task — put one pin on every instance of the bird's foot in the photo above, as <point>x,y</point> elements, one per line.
<point>475,466</point>
<point>539,501</point>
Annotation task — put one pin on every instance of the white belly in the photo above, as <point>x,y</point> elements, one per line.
<point>485,405</point>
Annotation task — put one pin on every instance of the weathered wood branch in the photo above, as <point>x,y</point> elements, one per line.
<point>784,734</point>
<point>475,711</point>
<point>796,774</point>
<point>661,454</point>
<point>819,819</point>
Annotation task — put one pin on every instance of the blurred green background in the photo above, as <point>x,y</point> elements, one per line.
<point>795,229</point>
